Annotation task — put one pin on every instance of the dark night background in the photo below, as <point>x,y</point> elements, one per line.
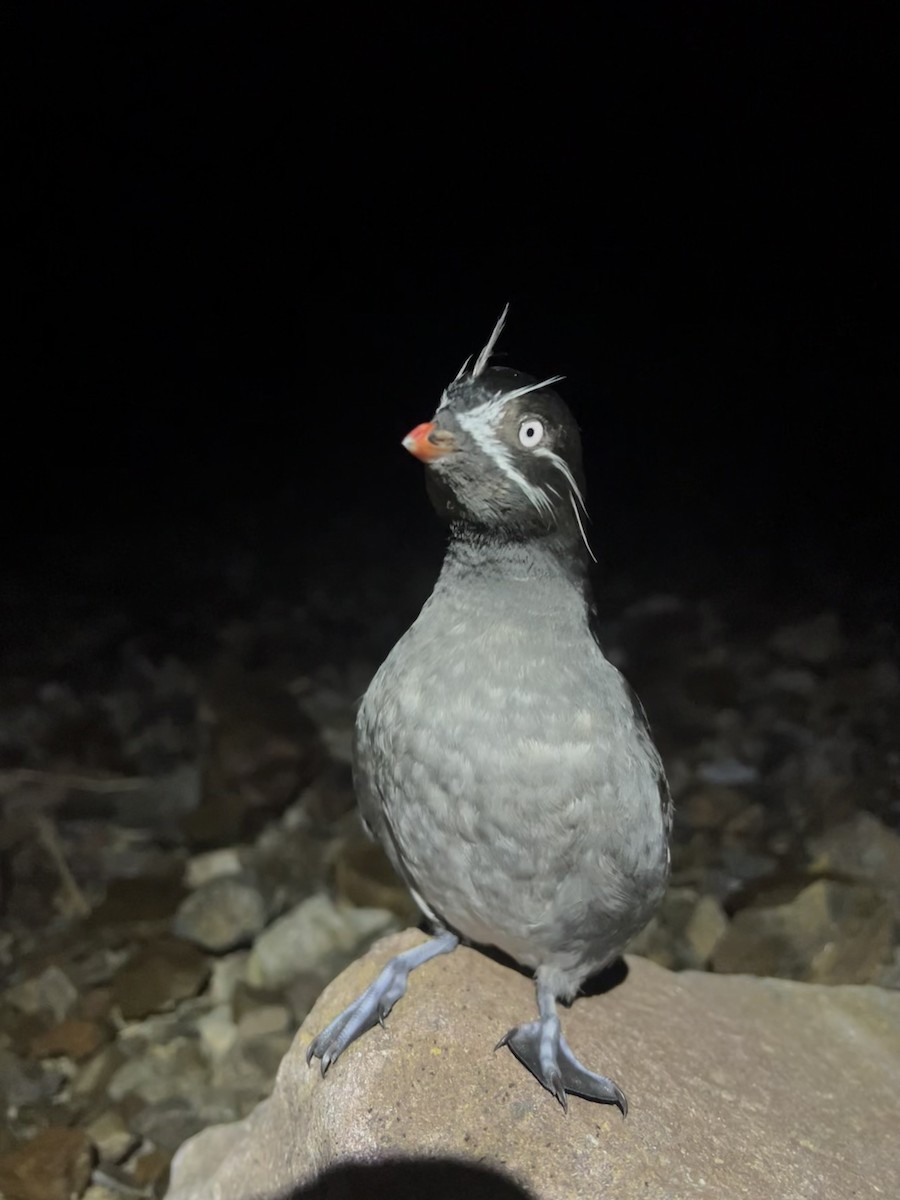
<point>247,246</point>
<point>251,244</point>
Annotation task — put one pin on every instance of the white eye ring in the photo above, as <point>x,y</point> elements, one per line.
<point>531,432</point>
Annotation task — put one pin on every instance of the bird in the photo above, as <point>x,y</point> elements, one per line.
<point>504,764</point>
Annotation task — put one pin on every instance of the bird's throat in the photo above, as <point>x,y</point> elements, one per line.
<point>482,554</point>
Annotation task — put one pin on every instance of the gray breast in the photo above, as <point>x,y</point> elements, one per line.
<point>499,760</point>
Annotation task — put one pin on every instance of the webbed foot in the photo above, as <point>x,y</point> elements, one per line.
<point>376,1001</point>
<point>541,1048</point>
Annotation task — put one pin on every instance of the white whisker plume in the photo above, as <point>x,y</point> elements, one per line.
<point>532,387</point>
<point>481,426</point>
<point>563,466</point>
<point>581,527</point>
<point>462,370</point>
<point>484,357</point>
<point>575,493</point>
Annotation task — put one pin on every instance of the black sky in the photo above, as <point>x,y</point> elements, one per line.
<point>250,244</point>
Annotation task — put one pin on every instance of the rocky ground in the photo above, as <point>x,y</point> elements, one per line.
<point>181,870</point>
<point>739,1088</point>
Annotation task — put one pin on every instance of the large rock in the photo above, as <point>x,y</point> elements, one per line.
<point>54,1165</point>
<point>830,933</point>
<point>864,848</point>
<point>223,914</point>
<point>739,1087</point>
<point>308,935</point>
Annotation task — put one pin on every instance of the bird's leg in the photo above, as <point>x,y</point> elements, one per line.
<point>377,1000</point>
<point>541,1047</point>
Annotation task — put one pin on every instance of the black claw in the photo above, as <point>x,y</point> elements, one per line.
<point>566,1076</point>
<point>375,1003</point>
<point>554,1084</point>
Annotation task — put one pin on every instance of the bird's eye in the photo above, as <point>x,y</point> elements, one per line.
<point>531,432</point>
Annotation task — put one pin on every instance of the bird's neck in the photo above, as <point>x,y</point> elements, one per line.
<point>479,555</point>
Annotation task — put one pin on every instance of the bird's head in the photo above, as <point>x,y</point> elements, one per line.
<point>503,453</point>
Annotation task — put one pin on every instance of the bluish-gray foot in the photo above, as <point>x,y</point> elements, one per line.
<point>376,1002</point>
<point>541,1047</point>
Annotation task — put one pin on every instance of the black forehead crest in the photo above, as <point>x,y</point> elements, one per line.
<point>468,392</point>
<point>483,383</point>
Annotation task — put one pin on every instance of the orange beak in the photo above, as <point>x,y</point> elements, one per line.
<point>426,442</point>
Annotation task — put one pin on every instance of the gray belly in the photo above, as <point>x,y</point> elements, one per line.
<point>510,787</point>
